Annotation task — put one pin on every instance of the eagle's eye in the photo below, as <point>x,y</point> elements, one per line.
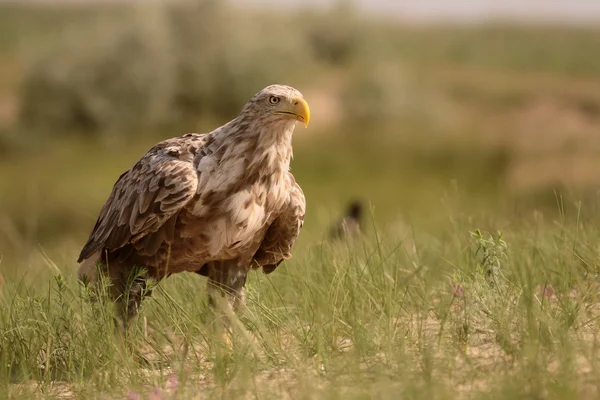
<point>274,99</point>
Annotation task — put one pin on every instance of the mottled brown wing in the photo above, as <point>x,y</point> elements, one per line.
<point>142,200</point>
<point>281,235</point>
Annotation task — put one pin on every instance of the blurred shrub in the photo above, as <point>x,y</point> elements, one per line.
<point>5,145</point>
<point>108,75</point>
<point>335,36</point>
<point>157,64</point>
<point>225,56</point>
<point>382,92</point>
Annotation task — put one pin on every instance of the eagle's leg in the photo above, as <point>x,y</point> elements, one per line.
<point>226,293</point>
<point>126,287</point>
<point>226,281</point>
<point>130,288</point>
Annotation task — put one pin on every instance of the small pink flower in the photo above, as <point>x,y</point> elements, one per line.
<point>157,395</point>
<point>133,396</point>
<point>548,291</point>
<point>457,290</point>
<point>173,382</point>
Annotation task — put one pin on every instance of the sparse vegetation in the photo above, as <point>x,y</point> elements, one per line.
<point>416,316</point>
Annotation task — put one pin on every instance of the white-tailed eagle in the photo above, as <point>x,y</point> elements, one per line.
<point>217,204</point>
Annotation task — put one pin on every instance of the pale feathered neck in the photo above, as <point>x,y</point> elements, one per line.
<point>254,137</point>
<point>266,146</point>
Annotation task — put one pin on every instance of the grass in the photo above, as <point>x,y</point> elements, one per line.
<point>453,313</point>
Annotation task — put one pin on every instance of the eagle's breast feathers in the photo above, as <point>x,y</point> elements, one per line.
<point>189,201</point>
<point>226,195</point>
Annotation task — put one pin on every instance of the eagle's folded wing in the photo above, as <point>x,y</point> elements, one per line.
<point>142,200</point>
<point>282,233</point>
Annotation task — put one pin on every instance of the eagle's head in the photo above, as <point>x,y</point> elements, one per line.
<point>278,103</point>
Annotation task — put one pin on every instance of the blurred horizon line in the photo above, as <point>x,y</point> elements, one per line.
<point>581,12</point>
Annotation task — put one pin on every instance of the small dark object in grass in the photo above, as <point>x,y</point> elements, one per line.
<point>351,224</point>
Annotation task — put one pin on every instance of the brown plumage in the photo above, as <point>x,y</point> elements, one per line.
<point>216,204</point>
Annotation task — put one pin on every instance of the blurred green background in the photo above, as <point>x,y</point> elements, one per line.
<point>412,118</point>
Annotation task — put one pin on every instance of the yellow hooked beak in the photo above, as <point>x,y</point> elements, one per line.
<point>297,109</point>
